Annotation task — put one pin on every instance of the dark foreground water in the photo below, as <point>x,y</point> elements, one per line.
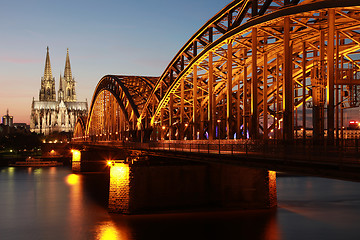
<point>52,203</point>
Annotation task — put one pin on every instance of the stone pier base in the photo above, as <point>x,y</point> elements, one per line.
<point>144,188</point>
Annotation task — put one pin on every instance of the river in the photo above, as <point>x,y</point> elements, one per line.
<point>52,203</point>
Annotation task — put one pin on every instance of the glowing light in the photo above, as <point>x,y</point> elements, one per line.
<point>52,151</point>
<point>109,231</point>
<point>218,120</point>
<point>186,124</point>
<point>72,179</point>
<point>163,127</point>
<point>76,156</point>
<point>110,163</point>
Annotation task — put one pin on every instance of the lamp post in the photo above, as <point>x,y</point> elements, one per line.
<point>219,121</point>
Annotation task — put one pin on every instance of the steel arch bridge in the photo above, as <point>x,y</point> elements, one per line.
<point>258,69</point>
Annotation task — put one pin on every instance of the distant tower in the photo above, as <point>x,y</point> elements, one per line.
<point>47,90</point>
<point>7,120</point>
<point>67,83</point>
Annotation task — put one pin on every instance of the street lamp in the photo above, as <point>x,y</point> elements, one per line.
<point>219,121</point>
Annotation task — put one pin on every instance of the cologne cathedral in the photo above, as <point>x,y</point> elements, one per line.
<point>50,115</point>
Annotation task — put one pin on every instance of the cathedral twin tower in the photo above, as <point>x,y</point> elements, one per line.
<point>50,115</point>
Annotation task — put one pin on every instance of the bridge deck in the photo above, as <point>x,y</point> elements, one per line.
<point>324,161</point>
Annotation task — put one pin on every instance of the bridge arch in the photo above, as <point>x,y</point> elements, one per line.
<point>80,128</point>
<point>115,106</point>
<point>258,69</point>
<point>249,72</point>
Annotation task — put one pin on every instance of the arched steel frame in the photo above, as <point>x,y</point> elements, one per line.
<point>80,128</point>
<point>255,69</point>
<point>116,104</point>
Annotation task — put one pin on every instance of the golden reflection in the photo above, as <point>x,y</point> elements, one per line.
<point>72,179</point>
<point>272,231</point>
<point>107,231</point>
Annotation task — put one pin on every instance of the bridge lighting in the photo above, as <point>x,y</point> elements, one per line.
<point>76,155</point>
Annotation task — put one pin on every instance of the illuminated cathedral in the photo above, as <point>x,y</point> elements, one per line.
<point>49,114</point>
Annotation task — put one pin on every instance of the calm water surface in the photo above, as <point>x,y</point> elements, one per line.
<point>53,203</point>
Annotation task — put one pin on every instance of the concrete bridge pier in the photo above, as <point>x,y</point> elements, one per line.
<point>137,188</point>
<point>94,160</point>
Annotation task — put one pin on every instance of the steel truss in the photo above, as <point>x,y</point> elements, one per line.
<point>257,69</point>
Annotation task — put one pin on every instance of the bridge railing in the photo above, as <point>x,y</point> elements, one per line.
<point>346,152</point>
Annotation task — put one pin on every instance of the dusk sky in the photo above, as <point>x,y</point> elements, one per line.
<point>104,37</point>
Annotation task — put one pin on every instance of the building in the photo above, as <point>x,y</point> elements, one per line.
<point>56,115</point>
<point>8,120</point>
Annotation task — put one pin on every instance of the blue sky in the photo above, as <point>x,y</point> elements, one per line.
<point>104,37</point>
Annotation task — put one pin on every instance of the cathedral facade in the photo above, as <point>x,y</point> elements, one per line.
<point>51,114</point>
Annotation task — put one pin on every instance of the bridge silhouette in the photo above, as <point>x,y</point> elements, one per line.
<point>265,76</point>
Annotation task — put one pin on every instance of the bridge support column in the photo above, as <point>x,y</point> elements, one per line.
<point>182,110</point>
<point>245,97</point>
<point>211,100</point>
<point>171,121</point>
<point>195,103</point>
<point>136,188</point>
<point>288,89</point>
<point>254,88</point>
<point>330,77</point>
<point>229,127</point>
<point>265,95</point>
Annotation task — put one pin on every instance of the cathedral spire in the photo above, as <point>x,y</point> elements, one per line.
<point>47,71</point>
<point>67,72</point>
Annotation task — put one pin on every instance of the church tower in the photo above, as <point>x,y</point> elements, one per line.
<point>67,83</point>
<point>47,90</point>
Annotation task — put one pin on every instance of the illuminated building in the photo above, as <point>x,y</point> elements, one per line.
<point>7,120</point>
<point>51,115</point>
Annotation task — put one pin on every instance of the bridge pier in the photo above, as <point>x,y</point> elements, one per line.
<point>94,159</point>
<point>139,187</point>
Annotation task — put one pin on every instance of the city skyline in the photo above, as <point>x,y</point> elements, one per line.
<point>111,37</point>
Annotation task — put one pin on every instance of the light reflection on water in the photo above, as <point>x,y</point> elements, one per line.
<point>53,203</point>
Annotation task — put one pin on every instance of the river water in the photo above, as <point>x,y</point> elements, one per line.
<point>52,203</point>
